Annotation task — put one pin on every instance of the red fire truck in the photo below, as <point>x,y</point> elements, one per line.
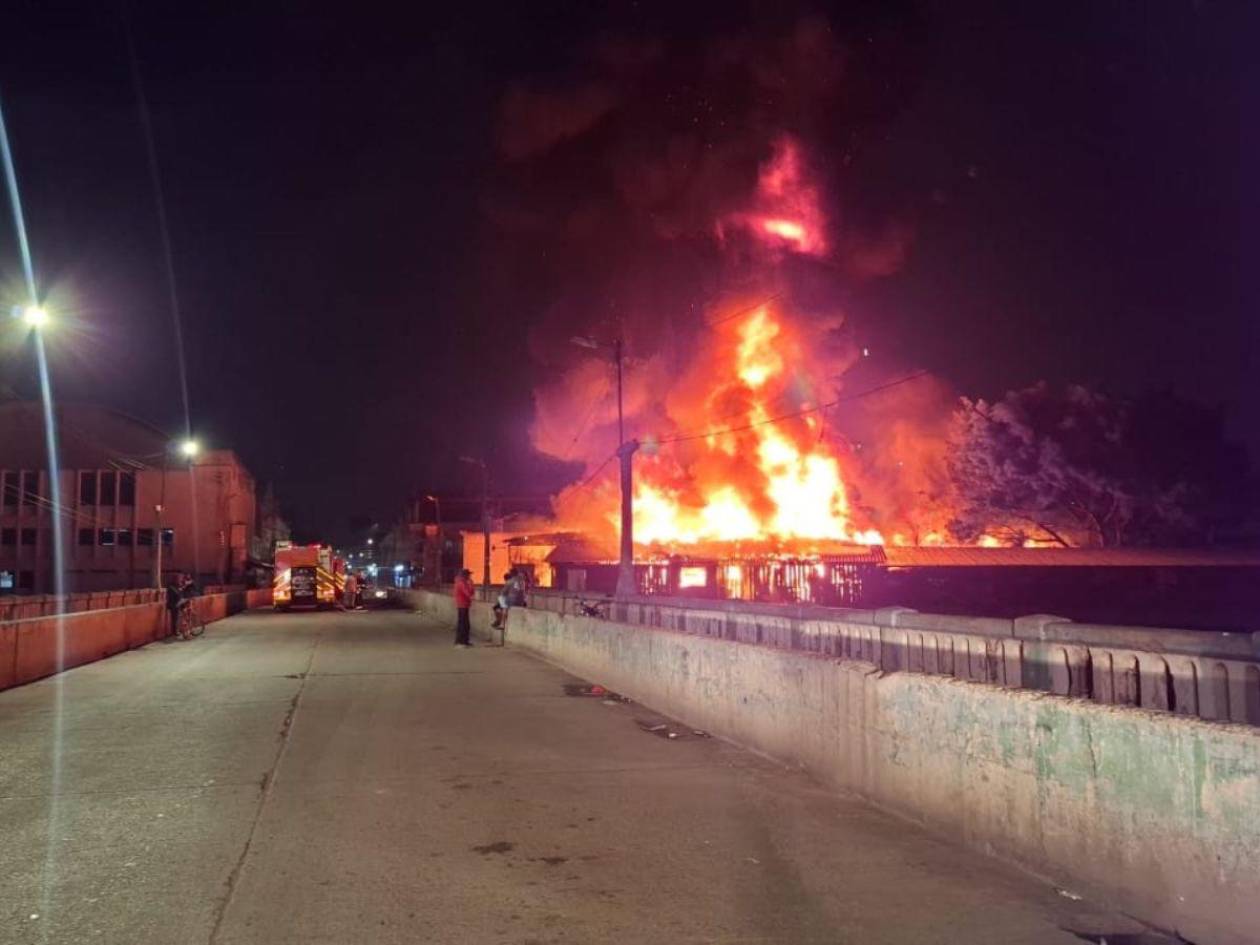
<point>307,576</point>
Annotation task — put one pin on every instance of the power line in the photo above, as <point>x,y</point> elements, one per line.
<point>596,403</point>
<point>744,311</point>
<point>598,469</point>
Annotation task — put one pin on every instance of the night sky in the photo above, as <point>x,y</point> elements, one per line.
<point>364,224</point>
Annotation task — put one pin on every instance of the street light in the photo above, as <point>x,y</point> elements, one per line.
<point>35,316</point>
<point>187,448</point>
<point>626,585</point>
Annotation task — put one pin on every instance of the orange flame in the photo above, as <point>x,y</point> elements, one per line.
<point>753,476</point>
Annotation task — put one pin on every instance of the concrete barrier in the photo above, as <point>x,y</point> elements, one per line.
<point>1211,675</point>
<point>1158,812</point>
<point>30,649</point>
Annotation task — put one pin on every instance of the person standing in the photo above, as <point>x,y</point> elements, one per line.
<point>349,592</point>
<point>502,604</point>
<point>464,592</point>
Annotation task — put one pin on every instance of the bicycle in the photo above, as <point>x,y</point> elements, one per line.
<point>595,608</point>
<point>190,622</point>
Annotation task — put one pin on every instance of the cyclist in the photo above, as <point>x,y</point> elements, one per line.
<point>175,601</point>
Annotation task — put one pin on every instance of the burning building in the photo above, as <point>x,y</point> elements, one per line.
<point>694,205</point>
<point>743,456</point>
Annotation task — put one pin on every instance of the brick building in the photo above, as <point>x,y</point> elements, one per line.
<point>115,472</point>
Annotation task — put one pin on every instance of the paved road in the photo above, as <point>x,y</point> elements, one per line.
<point>352,778</point>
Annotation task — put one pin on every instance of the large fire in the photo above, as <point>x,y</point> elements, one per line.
<point>764,472</point>
<point>793,490</point>
<point>738,425</point>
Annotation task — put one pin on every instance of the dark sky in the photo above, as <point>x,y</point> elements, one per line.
<point>357,313</point>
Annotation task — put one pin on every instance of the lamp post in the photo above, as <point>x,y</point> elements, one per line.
<point>188,448</point>
<point>626,584</point>
<point>441,541</point>
<point>35,317</point>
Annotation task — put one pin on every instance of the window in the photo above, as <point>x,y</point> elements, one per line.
<point>9,486</point>
<point>8,536</point>
<point>126,488</point>
<point>123,536</point>
<point>87,488</point>
<point>87,536</point>
<point>30,488</point>
<point>7,580</point>
<point>144,537</point>
<point>107,488</point>
<point>28,536</point>
<point>168,537</point>
<point>26,580</point>
<point>106,537</point>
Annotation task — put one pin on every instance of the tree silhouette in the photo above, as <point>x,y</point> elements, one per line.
<point>1077,468</point>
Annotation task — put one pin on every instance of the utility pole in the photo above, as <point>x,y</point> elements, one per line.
<point>188,448</point>
<point>627,586</point>
<point>157,538</point>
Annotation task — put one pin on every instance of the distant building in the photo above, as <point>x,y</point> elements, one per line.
<point>434,539</point>
<point>115,472</point>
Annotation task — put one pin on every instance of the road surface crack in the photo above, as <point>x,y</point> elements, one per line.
<point>266,784</point>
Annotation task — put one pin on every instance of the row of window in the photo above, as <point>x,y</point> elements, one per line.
<point>15,486</point>
<point>102,488</point>
<point>106,537</point>
<point>103,537</point>
<point>96,487</point>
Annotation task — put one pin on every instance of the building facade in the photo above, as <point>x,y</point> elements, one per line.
<point>127,505</point>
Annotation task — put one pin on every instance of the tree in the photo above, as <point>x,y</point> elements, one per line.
<point>1078,468</point>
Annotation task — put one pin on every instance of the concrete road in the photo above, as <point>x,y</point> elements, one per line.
<point>352,778</point>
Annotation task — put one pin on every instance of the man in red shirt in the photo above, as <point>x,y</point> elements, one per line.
<point>464,592</point>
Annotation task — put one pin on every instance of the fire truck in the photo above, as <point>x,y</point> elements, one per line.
<point>307,576</point>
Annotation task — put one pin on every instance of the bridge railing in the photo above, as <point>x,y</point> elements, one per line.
<point>1209,675</point>
<point>22,607</point>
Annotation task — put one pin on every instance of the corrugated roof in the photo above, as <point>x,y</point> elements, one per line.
<point>955,557</point>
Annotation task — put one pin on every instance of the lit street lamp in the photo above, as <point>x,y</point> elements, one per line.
<point>626,585</point>
<point>187,448</point>
<point>34,316</point>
